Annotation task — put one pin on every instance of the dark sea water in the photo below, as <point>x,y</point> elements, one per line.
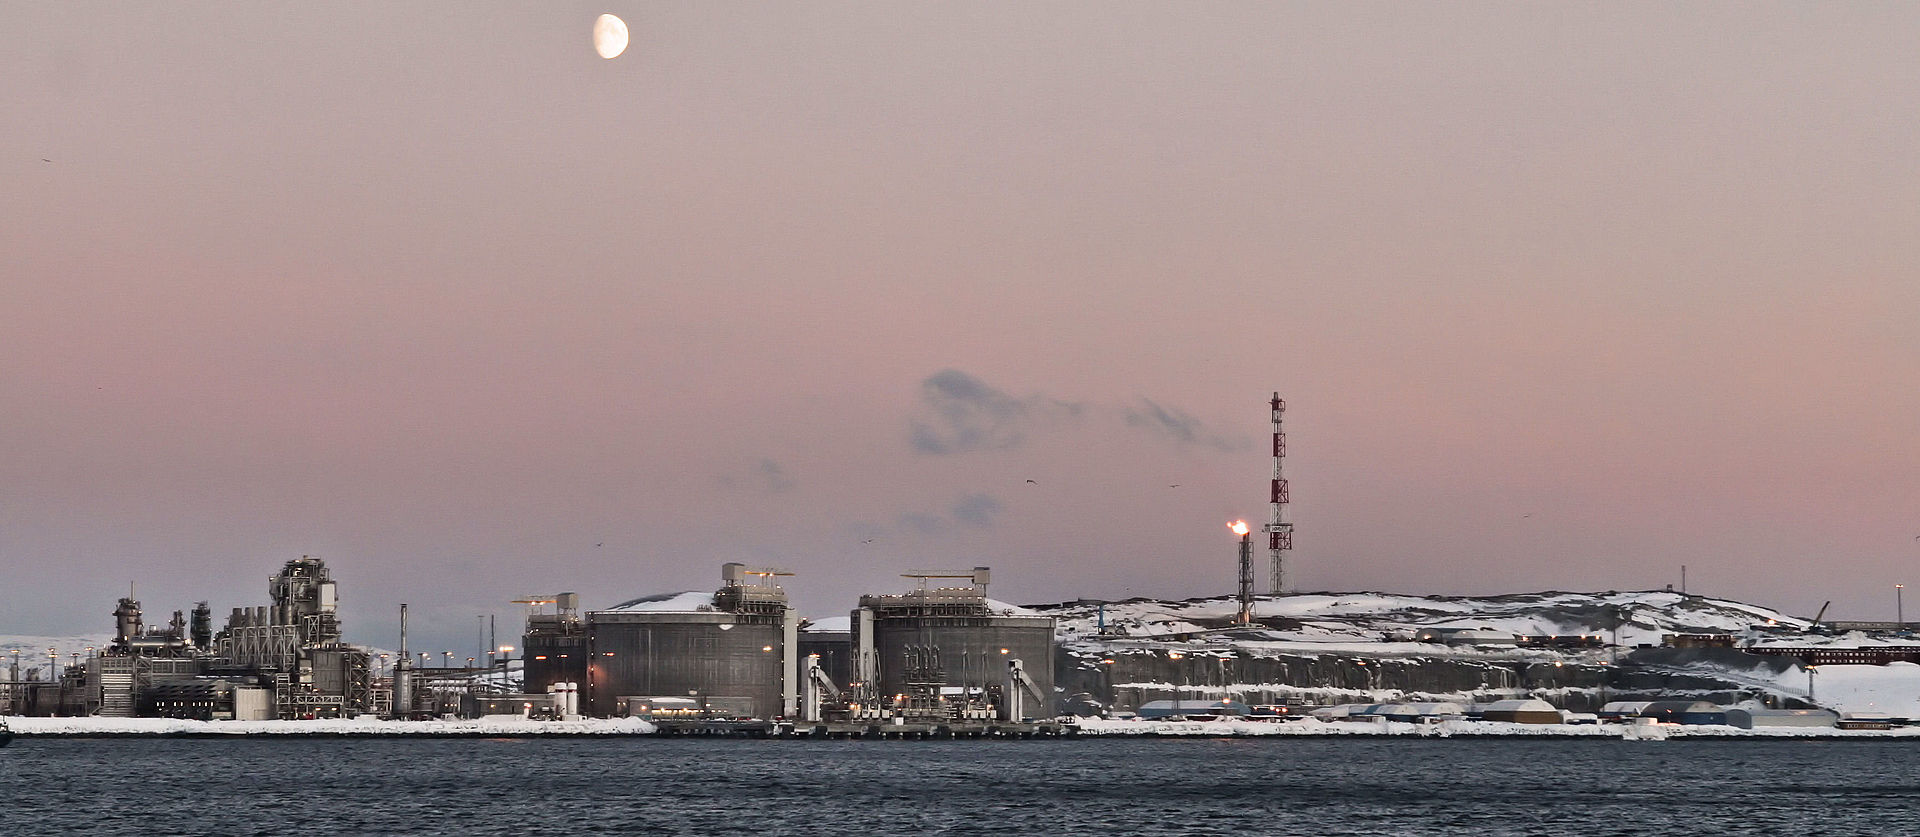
<point>477,787</point>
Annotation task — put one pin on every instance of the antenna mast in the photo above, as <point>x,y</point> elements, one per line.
<point>1279,531</point>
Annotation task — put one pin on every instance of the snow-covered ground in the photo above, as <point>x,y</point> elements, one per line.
<point>1847,639</point>
<point>489,725</point>
<point>1447,729</point>
<point>1892,689</point>
<point>1637,617</point>
<point>510,725</point>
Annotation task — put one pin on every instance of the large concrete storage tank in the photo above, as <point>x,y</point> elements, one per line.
<point>729,650</point>
<point>975,637</point>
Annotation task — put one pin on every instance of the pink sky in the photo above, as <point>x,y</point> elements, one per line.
<point>1560,296</point>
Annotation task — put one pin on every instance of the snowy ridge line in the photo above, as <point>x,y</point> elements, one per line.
<point>1315,728</point>
<point>1635,617</point>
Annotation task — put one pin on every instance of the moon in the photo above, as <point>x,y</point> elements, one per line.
<point>609,36</point>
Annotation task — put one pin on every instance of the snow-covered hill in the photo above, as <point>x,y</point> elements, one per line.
<point>1147,643</point>
<point>32,650</point>
<point>1638,617</point>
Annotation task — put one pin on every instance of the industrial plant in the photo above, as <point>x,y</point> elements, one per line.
<point>939,658</point>
<point>737,658</point>
<point>282,660</point>
<point>934,657</point>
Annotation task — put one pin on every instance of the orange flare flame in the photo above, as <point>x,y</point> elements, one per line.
<point>1239,527</point>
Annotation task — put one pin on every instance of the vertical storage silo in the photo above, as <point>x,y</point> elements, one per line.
<point>729,650</point>
<point>971,637</point>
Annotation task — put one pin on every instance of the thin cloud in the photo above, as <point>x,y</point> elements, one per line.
<point>773,477</point>
<point>1176,425</point>
<point>963,414</point>
<point>976,510</point>
<point>765,475</point>
<point>968,415</point>
<point>925,524</point>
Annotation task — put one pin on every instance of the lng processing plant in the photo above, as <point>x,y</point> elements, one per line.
<point>737,657</point>
<point>933,654</point>
<point>941,658</point>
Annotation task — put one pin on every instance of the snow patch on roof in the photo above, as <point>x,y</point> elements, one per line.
<point>831,623</point>
<point>691,601</point>
<point>1001,608</point>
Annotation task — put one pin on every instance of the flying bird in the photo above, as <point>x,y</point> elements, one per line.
<point>1032,482</point>
<point>869,540</point>
<point>1175,485</point>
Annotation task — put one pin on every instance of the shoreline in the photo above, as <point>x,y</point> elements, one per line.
<point>516,728</point>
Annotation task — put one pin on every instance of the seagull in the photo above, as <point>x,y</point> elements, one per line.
<point>1525,516</point>
<point>1032,482</point>
<point>1175,485</point>
<point>869,540</point>
<point>598,545</point>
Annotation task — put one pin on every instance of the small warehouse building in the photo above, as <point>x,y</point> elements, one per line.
<point>1346,712</point>
<point>1420,713</point>
<point>1621,711</point>
<point>1777,718</point>
<point>1191,709</point>
<point>1521,712</point>
<point>1696,712</point>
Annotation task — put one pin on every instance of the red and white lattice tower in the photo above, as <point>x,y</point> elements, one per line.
<point>1279,531</point>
